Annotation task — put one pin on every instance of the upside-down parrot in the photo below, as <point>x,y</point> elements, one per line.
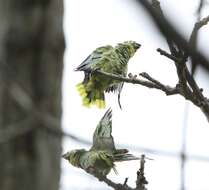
<point>101,157</point>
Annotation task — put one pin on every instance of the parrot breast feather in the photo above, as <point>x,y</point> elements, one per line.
<point>97,162</point>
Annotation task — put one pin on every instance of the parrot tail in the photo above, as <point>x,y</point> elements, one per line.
<point>94,97</point>
<point>123,155</point>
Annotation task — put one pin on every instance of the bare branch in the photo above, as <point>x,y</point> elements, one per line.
<point>202,3</point>
<point>168,55</point>
<point>187,83</point>
<point>165,88</point>
<point>116,186</point>
<point>169,31</point>
<point>193,40</point>
<point>156,6</point>
<point>133,80</point>
<point>141,180</point>
<point>200,24</point>
<point>182,88</point>
<point>184,75</point>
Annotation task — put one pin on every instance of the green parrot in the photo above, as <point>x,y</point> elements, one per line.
<point>101,157</point>
<point>107,59</point>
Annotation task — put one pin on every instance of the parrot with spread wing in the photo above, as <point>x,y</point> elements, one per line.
<point>108,59</point>
<point>101,157</point>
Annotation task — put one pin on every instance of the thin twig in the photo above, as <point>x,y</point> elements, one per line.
<point>141,179</point>
<point>168,55</point>
<point>196,95</point>
<point>193,40</point>
<point>167,89</point>
<point>201,5</point>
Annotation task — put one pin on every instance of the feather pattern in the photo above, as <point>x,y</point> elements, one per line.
<point>102,138</point>
<point>101,157</point>
<point>108,59</point>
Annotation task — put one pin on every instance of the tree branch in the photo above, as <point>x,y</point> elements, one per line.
<point>140,182</point>
<point>195,96</point>
<point>141,179</point>
<point>150,84</point>
<point>202,3</point>
<point>193,40</point>
<point>188,87</point>
<point>116,186</point>
<point>169,31</point>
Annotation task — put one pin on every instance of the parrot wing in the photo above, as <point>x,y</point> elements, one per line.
<point>102,138</point>
<point>91,62</point>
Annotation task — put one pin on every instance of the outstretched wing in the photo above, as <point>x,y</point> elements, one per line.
<point>102,139</point>
<point>91,62</point>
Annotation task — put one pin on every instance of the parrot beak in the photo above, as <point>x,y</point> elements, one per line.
<point>137,45</point>
<point>65,156</point>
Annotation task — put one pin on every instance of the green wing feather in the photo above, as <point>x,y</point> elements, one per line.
<point>92,62</point>
<point>102,138</point>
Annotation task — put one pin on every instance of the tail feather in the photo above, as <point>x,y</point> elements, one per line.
<point>123,155</point>
<point>121,151</point>
<point>91,97</point>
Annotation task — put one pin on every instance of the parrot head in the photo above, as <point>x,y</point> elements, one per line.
<point>74,156</point>
<point>132,46</point>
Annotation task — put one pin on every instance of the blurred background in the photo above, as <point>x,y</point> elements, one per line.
<point>41,113</point>
<point>163,128</point>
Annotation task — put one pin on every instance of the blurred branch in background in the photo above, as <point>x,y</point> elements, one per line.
<point>22,127</point>
<point>170,32</point>
<point>201,6</point>
<point>31,63</point>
